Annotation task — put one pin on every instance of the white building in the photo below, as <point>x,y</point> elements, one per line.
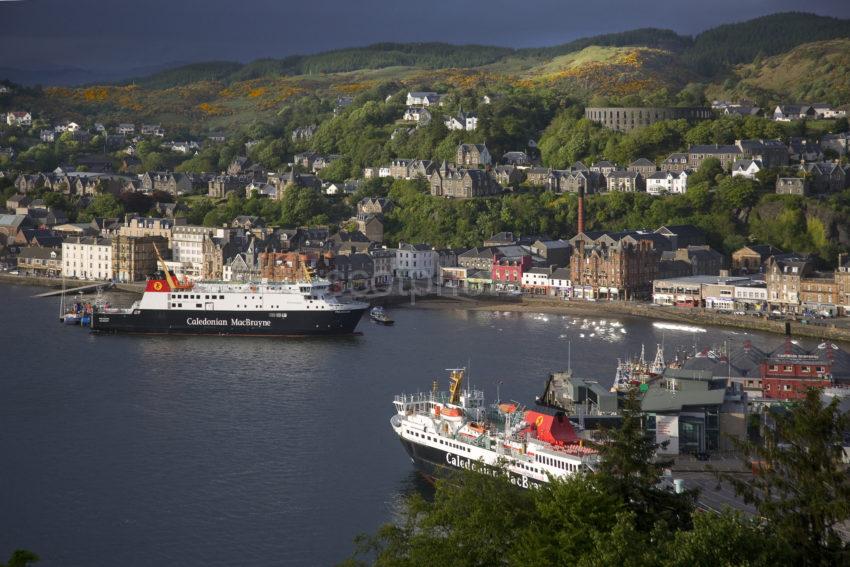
<point>463,121</point>
<point>422,98</point>
<point>750,296</point>
<point>418,115</point>
<point>667,182</point>
<point>536,280</point>
<point>747,168</point>
<point>560,283</point>
<point>187,247</point>
<point>87,258</point>
<point>19,119</point>
<point>415,261</point>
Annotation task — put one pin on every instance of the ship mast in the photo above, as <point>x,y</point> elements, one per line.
<point>455,382</point>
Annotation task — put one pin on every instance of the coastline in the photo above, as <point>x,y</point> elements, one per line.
<point>828,331</point>
<point>531,304</point>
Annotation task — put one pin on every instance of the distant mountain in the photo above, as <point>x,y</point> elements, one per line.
<point>70,76</point>
<point>708,54</point>
<point>714,50</point>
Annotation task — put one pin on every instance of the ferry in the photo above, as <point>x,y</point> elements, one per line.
<point>299,307</point>
<point>456,430</point>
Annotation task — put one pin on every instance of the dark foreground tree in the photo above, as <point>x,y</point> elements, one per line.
<point>21,558</point>
<point>630,470</point>
<point>801,487</point>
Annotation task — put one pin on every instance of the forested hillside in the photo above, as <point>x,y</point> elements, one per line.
<point>714,50</point>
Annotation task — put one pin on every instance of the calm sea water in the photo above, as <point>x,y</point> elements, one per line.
<point>123,450</point>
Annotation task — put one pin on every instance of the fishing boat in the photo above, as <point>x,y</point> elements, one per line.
<point>380,316</point>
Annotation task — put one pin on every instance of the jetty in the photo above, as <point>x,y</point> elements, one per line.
<point>81,289</point>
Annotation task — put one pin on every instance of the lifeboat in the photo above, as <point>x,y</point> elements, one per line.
<point>451,413</point>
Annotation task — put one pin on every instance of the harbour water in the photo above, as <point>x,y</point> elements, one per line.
<point>126,450</point>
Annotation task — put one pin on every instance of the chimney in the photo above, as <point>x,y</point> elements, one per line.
<point>580,210</point>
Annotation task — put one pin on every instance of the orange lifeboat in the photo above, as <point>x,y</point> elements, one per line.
<point>451,412</point>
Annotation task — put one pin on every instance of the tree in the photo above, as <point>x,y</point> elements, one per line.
<point>707,172</point>
<point>630,470</point>
<point>728,538</point>
<point>103,205</point>
<point>460,527</point>
<point>737,192</point>
<point>21,558</point>
<point>801,487</point>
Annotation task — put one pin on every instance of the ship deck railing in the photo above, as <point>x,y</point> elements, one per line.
<point>435,397</point>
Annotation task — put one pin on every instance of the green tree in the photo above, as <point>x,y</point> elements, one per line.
<point>103,205</point>
<point>728,538</point>
<point>737,192</point>
<point>630,470</point>
<point>21,558</point>
<point>802,489</point>
<point>707,172</point>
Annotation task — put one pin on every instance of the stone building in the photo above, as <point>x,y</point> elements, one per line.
<point>643,166</point>
<point>460,183</point>
<point>40,261</point>
<point>792,186</point>
<point>292,266</point>
<point>473,155</point>
<point>149,226</point>
<point>675,162</point>
<point>625,181</point>
<point>783,277</point>
<point>750,259</point>
<point>134,258</point>
<point>842,281</point>
<point>625,119</point>
<point>727,155</point>
<point>219,186</point>
<point>374,206</point>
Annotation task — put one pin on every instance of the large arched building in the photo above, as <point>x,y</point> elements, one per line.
<point>626,119</point>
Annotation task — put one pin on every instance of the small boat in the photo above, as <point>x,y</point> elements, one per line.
<point>380,316</point>
<point>72,318</point>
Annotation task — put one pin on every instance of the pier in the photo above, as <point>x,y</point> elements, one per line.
<point>80,289</point>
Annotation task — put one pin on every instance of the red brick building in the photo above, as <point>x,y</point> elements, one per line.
<point>611,266</point>
<point>789,371</point>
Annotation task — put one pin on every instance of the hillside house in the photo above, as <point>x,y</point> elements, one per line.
<point>473,155</point>
<point>19,118</point>
<point>422,98</point>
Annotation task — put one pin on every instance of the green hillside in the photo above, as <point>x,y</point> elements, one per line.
<point>715,49</point>
<point>767,59</point>
<point>813,72</point>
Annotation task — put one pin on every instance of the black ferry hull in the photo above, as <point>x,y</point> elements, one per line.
<point>236,323</point>
<point>435,463</point>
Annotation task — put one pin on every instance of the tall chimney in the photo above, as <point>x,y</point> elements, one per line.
<point>580,210</point>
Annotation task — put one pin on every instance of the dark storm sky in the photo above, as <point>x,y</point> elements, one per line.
<point>111,34</point>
